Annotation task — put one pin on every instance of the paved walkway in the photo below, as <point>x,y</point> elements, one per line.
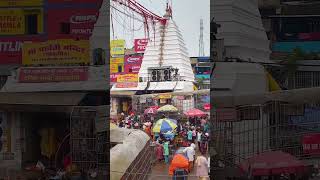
<point>160,171</point>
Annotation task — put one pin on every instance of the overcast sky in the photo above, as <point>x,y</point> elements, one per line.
<point>186,14</point>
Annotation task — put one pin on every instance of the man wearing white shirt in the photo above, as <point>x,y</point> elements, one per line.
<point>190,152</point>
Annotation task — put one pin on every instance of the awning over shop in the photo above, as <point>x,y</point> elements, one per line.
<point>122,93</point>
<point>140,87</point>
<point>96,82</point>
<point>6,70</point>
<point>158,86</point>
<point>273,85</point>
<point>49,99</point>
<point>299,96</point>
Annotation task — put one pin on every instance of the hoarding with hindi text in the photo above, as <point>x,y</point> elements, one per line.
<point>128,78</point>
<point>55,52</point>
<point>42,75</point>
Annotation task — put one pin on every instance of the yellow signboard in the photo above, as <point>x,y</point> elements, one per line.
<point>15,3</point>
<point>113,68</point>
<point>165,96</point>
<point>128,78</point>
<point>64,51</point>
<point>12,22</point>
<point>117,60</point>
<point>117,47</point>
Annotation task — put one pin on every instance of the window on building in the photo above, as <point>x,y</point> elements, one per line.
<point>31,24</point>
<point>99,56</point>
<point>119,68</point>
<point>130,69</point>
<point>303,79</point>
<point>316,79</point>
<point>65,28</point>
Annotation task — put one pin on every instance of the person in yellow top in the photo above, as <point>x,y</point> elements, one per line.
<point>48,144</point>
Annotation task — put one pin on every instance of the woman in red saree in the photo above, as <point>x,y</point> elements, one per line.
<point>159,152</point>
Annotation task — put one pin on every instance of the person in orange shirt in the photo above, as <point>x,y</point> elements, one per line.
<point>148,131</point>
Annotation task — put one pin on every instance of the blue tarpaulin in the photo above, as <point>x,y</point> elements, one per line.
<point>309,120</point>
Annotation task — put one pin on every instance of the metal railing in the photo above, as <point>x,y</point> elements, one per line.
<point>255,129</point>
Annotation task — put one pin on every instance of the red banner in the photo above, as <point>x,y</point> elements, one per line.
<point>311,144</point>
<point>114,76</point>
<point>140,45</point>
<point>315,36</point>
<point>78,23</point>
<point>127,85</point>
<point>132,68</point>
<point>133,59</point>
<point>11,49</point>
<point>42,75</point>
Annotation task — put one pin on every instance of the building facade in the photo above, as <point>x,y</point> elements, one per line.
<point>56,51</point>
<point>293,30</point>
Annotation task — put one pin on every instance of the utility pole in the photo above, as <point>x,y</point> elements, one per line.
<point>201,44</point>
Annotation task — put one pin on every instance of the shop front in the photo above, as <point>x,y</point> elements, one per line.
<point>121,102</point>
<point>37,132</point>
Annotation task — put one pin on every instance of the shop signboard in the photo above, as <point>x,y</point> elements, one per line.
<point>42,75</point>
<point>114,76</point>
<point>15,3</point>
<point>140,45</point>
<point>226,114</point>
<point>116,68</point>
<point>11,49</point>
<point>117,60</point>
<point>203,76</point>
<point>127,84</point>
<point>164,96</point>
<point>12,22</point>
<point>133,59</point>
<point>117,47</point>
<point>79,23</point>
<point>10,52</point>
<point>132,68</point>
<point>128,78</point>
<point>311,144</point>
<point>56,52</point>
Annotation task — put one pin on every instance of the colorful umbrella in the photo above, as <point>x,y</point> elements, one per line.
<point>154,107</point>
<point>168,108</point>
<point>195,113</point>
<point>271,163</point>
<point>206,106</point>
<point>164,125</point>
<point>150,111</point>
<point>172,120</point>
